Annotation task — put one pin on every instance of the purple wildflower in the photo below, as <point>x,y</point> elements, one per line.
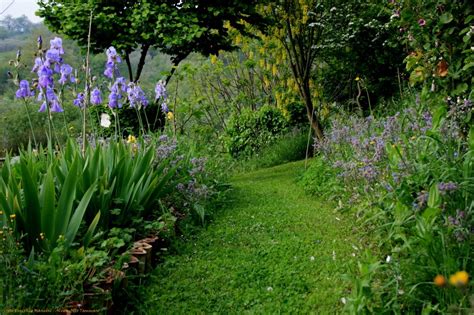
<point>447,187</point>
<point>164,108</point>
<point>45,75</point>
<point>38,64</point>
<point>111,65</point>
<point>160,90</point>
<point>57,44</point>
<point>66,71</point>
<point>24,90</point>
<point>96,98</point>
<point>80,100</point>
<point>52,56</point>
<point>119,85</point>
<point>114,100</point>
<point>136,96</point>
<point>421,22</point>
<point>421,200</point>
<point>52,100</point>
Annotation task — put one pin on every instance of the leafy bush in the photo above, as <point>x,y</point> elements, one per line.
<point>439,37</point>
<point>248,131</point>
<point>79,211</point>
<point>411,177</point>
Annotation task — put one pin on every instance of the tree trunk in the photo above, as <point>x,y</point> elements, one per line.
<point>312,117</point>
<point>129,66</point>
<point>141,63</point>
<point>176,60</point>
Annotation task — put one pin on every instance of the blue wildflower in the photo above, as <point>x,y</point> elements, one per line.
<point>24,90</point>
<point>80,100</point>
<point>66,71</point>
<point>96,98</point>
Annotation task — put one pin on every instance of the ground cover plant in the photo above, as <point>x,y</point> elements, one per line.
<point>410,177</point>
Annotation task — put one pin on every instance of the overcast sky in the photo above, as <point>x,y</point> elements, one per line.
<point>19,8</point>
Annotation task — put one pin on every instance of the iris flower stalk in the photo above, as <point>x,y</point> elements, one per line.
<point>24,93</point>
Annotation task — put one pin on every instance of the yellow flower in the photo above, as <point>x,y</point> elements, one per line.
<point>42,235</point>
<point>170,116</point>
<point>372,142</point>
<point>413,138</point>
<point>439,281</point>
<point>213,59</point>
<point>131,139</point>
<point>13,216</point>
<point>459,279</point>
<point>1,212</point>
<point>357,78</point>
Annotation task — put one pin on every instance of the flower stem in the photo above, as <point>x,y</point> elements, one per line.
<point>31,125</point>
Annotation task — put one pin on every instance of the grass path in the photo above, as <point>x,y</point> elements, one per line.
<point>272,250</point>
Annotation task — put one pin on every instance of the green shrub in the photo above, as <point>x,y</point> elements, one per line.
<point>248,131</point>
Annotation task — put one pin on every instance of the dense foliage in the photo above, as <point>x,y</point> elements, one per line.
<point>100,172</point>
<point>177,28</point>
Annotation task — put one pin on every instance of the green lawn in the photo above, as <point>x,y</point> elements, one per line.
<point>272,250</point>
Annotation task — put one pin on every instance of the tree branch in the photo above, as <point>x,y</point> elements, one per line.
<point>141,63</point>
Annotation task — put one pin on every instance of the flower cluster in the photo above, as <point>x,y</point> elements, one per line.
<point>136,96</point>
<point>111,65</point>
<point>161,94</point>
<point>459,280</point>
<point>46,65</point>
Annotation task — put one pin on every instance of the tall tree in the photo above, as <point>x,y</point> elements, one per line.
<point>300,29</point>
<point>176,27</point>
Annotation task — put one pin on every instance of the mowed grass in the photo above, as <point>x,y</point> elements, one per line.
<point>272,250</point>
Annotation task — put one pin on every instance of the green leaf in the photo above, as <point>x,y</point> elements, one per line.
<point>48,201</point>
<point>66,200</point>
<point>76,219</point>
<point>431,213</point>
<point>31,211</point>
<point>434,199</point>
<point>471,138</point>
<point>91,229</point>
<point>446,18</point>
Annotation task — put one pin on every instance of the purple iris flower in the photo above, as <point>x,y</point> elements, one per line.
<point>38,64</point>
<point>24,90</point>
<point>120,85</point>
<point>57,44</point>
<point>160,90</point>
<point>136,96</point>
<point>52,99</point>
<point>164,108</point>
<point>112,59</point>
<point>114,100</point>
<point>45,75</point>
<point>65,71</point>
<point>112,55</point>
<point>109,72</point>
<point>80,100</point>
<point>96,98</point>
<point>52,55</point>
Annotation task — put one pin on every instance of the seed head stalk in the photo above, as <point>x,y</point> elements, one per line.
<point>87,86</point>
